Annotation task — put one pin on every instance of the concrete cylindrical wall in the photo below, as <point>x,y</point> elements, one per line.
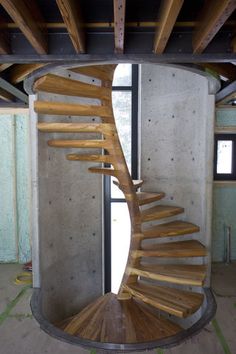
<point>177,119</point>
<point>177,130</point>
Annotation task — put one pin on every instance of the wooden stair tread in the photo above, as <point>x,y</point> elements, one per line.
<point>172,273</point>
<point>159,212</point>
<point>100,144</point>
<point>176,302</point>
<point>148,197</point>
<point>63,86</point>
<point>101,72</point>
<point>136,182</point>
<point>104,170</point>
<point>88,157</point>
<point>102,128</point>
<point>191,248</point>
<point>174,228</point>
<point>112,321</point>
<point>72,109</point>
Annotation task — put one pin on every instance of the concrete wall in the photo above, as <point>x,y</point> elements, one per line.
<point>177,119</point>
<point>15,191</point>
<point>224,202</point>
<point>70,220</point>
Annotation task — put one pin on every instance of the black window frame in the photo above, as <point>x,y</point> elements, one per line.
<point>108,200</point>
<point>225,176</point>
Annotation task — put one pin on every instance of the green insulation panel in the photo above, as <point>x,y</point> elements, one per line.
<point>15,187</point>
<point>224,221</point>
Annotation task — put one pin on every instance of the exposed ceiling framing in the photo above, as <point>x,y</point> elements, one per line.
<point>167,17</point>
<point>212,17</point>
<point>36,32</point>
<point>25,15</point>
<point>119,24</point>
<point>71,13</point>
<point>39,29</point>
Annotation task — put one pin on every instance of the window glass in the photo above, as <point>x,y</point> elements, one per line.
<point>124,102</point>
<point>121,101</point>
<point>120,240</point>
<point>123,75</point>
<point>224,156</point>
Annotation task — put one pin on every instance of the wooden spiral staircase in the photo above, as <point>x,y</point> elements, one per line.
<point>151,294</point>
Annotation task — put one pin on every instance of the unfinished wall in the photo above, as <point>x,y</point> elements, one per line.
<point>224,201</point>
<point>15,191</point>
<point>177,119</point>
<point>70,220</point>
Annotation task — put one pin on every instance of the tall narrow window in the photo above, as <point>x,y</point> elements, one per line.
<point>225,157</point>
<point>117,222</point>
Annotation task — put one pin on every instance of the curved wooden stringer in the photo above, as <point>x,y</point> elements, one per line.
<point>137,313</point>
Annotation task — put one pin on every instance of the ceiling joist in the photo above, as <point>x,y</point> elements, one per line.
<point>167,17</point>
<point>119,24</point>
<point>6,96</point>
<point>6,86</point>
<point>233,44</point>
<point>213,16</point>
<point>226,70</point>
<point>22,16</point>
<point>72,17</point>
<point>4,38</point>
<point>19,71</point>
<point>4,66</point>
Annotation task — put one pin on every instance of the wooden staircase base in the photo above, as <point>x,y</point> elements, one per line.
<point>115,346</point>
<point>109,320</point>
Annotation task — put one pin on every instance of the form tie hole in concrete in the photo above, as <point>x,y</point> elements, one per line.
<point>193,159</point>
<point>172,159</point>
<point>94,233</point>
<point>93,197</point>
<point>173,116</point>
<point>71,238</point>
<point>49,202</point>
<point>149,159</point>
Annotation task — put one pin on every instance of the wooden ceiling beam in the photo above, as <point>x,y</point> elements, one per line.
<point>233,44</point>
<point>20,71</point>
<point>213,16</point>
<point>4,38</point>
<point>226,70</point>
<point>4,66</point>
<point>71,13</point>
<point>23,17</point>
<point>119,25</point>
<point>6,96</point>
<point>167,17</point>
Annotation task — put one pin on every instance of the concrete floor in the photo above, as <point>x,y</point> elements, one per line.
<point>20,333</point>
